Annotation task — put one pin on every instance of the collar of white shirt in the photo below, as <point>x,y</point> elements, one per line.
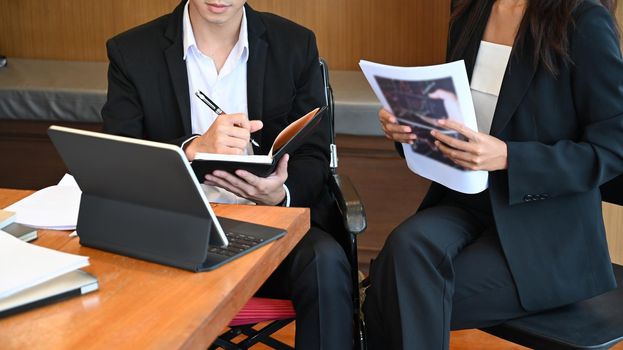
<point>240,52</point>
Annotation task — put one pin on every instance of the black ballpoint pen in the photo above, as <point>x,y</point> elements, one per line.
<point>205,99</point>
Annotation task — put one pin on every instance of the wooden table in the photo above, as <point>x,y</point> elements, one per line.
<point>143,305</point>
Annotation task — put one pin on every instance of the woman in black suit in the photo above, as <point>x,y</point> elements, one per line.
<point>547,84</point>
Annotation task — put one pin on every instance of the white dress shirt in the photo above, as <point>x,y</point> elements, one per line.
<point>227,88</point>
<point>486,81</point>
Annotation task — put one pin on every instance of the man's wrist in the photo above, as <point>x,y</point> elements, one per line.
<point>286,199</point>
<point>185,147</point>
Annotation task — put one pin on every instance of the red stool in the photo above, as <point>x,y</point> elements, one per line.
<point>257,310</point>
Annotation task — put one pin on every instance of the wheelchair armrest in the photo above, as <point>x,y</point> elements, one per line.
<point>349,203</point>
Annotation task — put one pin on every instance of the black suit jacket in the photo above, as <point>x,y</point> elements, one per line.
<point>565,138</point>
<point>148,93</point>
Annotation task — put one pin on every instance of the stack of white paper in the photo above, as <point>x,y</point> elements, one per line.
<point>6,218</point>
<point>52,208</point>
<point>23,265</point>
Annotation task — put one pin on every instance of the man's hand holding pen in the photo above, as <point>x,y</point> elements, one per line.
<point>229,134</point>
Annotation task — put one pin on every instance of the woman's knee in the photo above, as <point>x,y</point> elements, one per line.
<point>409,239</point>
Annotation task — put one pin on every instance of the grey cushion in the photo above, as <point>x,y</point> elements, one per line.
<point>356,106</point>
<point>47,90</point>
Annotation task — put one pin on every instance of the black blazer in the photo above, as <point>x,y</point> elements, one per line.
<point>565,138</point>
<point>148,93</point>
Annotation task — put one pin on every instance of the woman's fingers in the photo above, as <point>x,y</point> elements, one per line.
<point>461,128</point>
<point>393,130</point>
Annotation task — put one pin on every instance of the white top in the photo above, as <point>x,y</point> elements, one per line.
<point>227,88</point>
<point>487,80</point>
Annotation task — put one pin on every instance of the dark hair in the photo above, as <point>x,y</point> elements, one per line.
<point>546,22</point>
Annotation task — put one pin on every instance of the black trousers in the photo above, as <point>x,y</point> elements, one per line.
<point>440,270</point>
<point>316,277</point>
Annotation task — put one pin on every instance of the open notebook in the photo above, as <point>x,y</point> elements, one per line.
<point>288,140</point>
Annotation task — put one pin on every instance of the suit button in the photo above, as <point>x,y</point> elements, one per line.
<point>528,198</point>
<point>544,195</point>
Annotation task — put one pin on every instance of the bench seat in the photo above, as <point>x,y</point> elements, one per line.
<point>73,91</point>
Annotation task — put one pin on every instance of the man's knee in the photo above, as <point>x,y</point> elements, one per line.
<point>330,256</point>
<point>319,253</point>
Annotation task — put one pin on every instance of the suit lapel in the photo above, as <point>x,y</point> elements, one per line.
<point>256,66</point>
<point>517,78</point>
<point>177,68</point>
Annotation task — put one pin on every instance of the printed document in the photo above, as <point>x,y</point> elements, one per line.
<point>418,97</point>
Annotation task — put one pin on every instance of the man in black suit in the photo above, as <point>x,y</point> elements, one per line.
<point>255,64</point>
